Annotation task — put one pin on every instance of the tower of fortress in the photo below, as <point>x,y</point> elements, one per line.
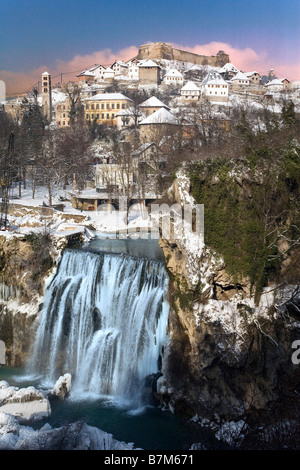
<point>162,50</point>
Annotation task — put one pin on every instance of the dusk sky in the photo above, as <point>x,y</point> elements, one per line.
<point>68,35</point>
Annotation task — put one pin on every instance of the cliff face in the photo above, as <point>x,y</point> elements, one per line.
<point>227,355</point>
<point>25,263</point>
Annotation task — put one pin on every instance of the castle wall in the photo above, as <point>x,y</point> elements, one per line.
<point>161,50</point>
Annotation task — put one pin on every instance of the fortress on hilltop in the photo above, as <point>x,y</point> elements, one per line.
<point>162,50</point>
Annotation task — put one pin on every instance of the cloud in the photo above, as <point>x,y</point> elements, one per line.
<point>245,59</point>
<point>20,82</point>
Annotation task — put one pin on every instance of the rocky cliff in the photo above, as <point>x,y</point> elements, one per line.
<point>229,356</point>
<point>25,261</point>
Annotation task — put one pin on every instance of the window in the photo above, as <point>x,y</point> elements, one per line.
<point>123,106</point>
<point>92,106</point>
<point>97,106</point>
<point>102,106</point>
<point>87,116</point>
<point>107,116</point>
<point>118,105</point>
<point>92,116</point>
<point>86,106</point>
<point>64,123</point>
<point>107,106</point>
<point>59,123</point>
<point>97,116</point>
<point>45,90</point>
<point>112,116</point>
<point>113,106</point>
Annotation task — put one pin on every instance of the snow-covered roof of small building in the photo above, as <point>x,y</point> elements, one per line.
<point>84,73</point>
<point>108,96</point>
<point>228,68</point>
<point>240,76</point>
<point>213,78</point>
<point>173,73</point>
<point>162,116</point>
<point>190,86</point>
<point>109,69</point>
<point>153,102</point>
<point>276,81</point>
<point>95,67</point>
<point>249,74</point>
<point>148,63</point>
<point>45,73</point>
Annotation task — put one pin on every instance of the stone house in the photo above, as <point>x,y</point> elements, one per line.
<point>104,107</point>
<point>149,73</point>
<point>254,77</point>
<point>151,105</point>
<point>190,92</point>
<point>62,113</point>
<point>158,125</point>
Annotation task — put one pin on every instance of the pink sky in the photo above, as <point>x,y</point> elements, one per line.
<point>244,59</point>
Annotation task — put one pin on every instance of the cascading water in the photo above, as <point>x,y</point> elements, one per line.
<point>104,321</point>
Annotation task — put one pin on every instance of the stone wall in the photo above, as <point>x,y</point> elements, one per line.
<point>160,50</point>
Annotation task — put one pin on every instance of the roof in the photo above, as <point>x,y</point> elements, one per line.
<point>190,86</point>
<point>276,81</point>
<point>153,102</point>
<point>95,67</point>
<point>228,68</point>
<point>240,76</point>
<point>45,73</point>
<point>108,96</point>
<point>162,116</point>
<point>86,72</point>
<point>213,78</point>
<point>249,74</point>
<point>173,73</point>
<point>148,63</point>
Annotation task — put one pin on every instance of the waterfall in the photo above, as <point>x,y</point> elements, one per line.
<point>104,321</point>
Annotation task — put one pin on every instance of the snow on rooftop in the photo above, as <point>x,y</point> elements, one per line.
<point>108,96</point>
<point>228,68</point>
<point>276,81</point>
<point>173,73</point>
<point>46,73</point>
<point>162,116</point>
<point>86,72</point>
<point>190,86</point>
<point>213,78</point>
<point>153,102</point>
<point>148,63</point>
<point>240,76</point>
<point>249,74</point>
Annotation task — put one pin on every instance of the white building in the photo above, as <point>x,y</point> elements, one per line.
<point>173,77</point>
<point>190,92</point>
<point>240,80</point>
<point>109,74</point>
<point>119,68</point>
<point>133,69</point>
<point>214,87</point>
<point>98,72</point>
<point>277,85</point>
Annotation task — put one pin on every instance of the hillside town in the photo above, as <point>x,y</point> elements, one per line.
<point>142,114</point>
